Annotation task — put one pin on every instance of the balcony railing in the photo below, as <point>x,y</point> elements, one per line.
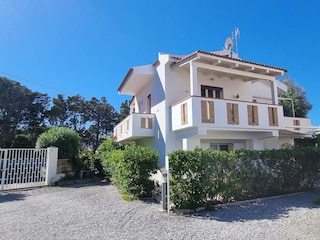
<point>231,114</point>
<point>135,126</point>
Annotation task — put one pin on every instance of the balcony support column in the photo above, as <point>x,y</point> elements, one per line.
<point>193,79</point>
<point>274,92</point>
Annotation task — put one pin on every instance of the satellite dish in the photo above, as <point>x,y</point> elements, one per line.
<point>228,44</point>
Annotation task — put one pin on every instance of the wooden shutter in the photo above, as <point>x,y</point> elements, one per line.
<point>250,118</point>
<point>229,113</point>
<point>184,113</point>
<point>143,123</point>
<point>207,111</point>
<point>149,123</point>
<point>273,116</point>
<point>253,118</point>
<point>255,115</point>
<point>235,113</point>
<point>296,123</point>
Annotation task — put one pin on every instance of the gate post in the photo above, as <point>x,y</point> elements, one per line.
<point>52,159</point>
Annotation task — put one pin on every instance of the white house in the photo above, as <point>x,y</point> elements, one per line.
<point>207,99</point>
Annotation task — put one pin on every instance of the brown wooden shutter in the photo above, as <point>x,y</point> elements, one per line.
<point>150,123</point>
<point>296,123</point>
<point>229,113</point>
<point>184,114</point>
<point>207,111</point>
<point>255,115</point>
<point>235,114</point>
<point>273,116</point>
<point>143,123</point>
<point>250,119</point>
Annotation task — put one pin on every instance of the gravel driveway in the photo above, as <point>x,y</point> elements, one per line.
<point>98,212</point>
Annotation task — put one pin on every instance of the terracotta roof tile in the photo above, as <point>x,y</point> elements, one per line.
<point>226,57</point>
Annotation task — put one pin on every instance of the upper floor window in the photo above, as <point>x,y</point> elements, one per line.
<point>211,92</point>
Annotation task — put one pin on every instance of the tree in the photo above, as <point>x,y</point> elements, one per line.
<point>298,98</point>
<point>58,114</point>
<point>124,110</point>
<point>103,117</point>
<point>20,108</point>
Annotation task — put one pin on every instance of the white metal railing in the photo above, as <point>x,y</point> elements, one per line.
<point>21,168</point>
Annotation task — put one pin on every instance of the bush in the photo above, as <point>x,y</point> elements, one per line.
<point>66,140</point>
<point>130,167</point>
<point>200,176</point>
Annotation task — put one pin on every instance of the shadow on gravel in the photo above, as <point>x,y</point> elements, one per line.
<point>261,209</point>
<point>7,197</point>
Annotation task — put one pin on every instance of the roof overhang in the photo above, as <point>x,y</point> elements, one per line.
<point>227,66</point>
<point>135,79</point>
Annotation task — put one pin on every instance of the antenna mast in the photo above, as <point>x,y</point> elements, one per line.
<point>236,36</point>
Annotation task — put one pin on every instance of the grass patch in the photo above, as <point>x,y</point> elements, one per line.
<point>128,197</point>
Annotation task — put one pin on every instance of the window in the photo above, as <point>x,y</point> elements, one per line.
<point>149,103</point>
<point>253,118</point>
<point>273,116</point>
<point>184,113</point>
<point>221,147</point>
<point>207,111</point>
<point>211,92</point>
<point>233,113</point>
<point>146,122</point>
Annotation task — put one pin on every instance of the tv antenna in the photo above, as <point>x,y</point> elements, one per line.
<point>236,36</point>
<point>228,44</point>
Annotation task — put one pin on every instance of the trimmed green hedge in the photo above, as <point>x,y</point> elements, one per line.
<point>201,176</point>
<point>130,167</point>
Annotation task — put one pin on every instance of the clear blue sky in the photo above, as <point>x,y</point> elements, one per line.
<point>87,46</point>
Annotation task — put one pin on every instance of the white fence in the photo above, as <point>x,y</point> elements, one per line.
<point>21,168</point>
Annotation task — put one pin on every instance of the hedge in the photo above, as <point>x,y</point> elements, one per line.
<point>130,167</point>
<point>201,177</point>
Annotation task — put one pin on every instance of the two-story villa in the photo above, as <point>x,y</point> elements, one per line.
<point>207,99</point>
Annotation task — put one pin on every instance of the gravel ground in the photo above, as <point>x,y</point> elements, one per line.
<point>98,212</point>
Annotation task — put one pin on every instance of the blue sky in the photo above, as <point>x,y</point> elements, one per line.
<point>87,46</point>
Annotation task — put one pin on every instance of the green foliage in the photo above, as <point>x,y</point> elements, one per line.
<point>67,141</point>
<point>298,95</point>
<point>124,110</point>
<point>130,166</point>
<point>202,176</point>
<point>21,110</point>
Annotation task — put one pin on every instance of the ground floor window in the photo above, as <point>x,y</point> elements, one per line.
<point>221,147</point>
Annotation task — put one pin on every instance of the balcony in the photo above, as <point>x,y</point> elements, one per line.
<point>232,115</point>
<point>135,126</point>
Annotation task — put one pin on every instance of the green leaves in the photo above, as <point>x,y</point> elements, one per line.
<point>130,166</point>
<point>200,176</point>
<point>67,140</point>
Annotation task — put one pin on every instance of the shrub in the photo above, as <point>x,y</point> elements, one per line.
<point>66,140</point>
<point>201,176</point>
<point>130,167</point>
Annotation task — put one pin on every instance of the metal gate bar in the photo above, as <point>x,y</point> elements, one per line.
<point>22,168</point>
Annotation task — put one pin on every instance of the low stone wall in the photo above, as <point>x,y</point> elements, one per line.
<point>63,166</point>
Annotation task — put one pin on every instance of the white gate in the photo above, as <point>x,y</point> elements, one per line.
<point>21,168</point>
